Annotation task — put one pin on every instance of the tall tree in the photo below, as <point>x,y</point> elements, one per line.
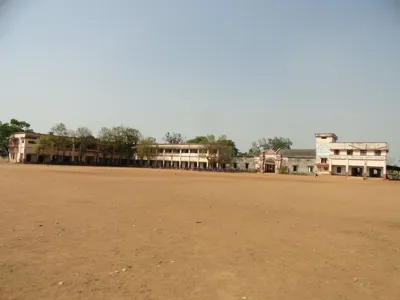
<point>147,149</point>
<point>274,144</point>
<point>83,138</point>
<point>119,140</point>
<point>174,138</point>
<point>218,149</point>
<point>232,144</point>
<point>105,143</point>
<point>125,140</point>
<point>44,145</point>
<point>277,143</point>
<point>7,129</point>
<point>60,136</point>
<point>130,137</point>
<point>197,140</point>
<point>226,147</point>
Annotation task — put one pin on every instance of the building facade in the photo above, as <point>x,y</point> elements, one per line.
<point>323,151</point>
<point>358,159</point>
<point>298,161</point>
<point>183,156</point>
<point>364,159</point>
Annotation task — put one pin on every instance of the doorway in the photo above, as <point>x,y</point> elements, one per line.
<point>270,168</point>
<point>375,172</point>
<point>356,171</point>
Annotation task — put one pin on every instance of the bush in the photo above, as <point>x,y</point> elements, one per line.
<point>283,170</point>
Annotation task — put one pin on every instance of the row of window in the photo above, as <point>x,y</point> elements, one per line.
<point>29,142</point>
<point>177,151</point>
<point>362,152</point>
<point>310,168</point>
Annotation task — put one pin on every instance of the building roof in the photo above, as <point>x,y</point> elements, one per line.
<point>268,152</point>
<point>28,134</point>
<point>326,134</point>
<point>309,153</point>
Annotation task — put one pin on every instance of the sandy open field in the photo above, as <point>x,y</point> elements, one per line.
<point>101,233</point>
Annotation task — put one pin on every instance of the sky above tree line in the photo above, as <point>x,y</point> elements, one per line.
<point>247,69</point>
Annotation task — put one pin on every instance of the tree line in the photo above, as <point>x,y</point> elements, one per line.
<point>124,142</point>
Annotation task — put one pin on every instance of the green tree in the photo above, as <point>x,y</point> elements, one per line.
<point>222,139</point>
<point>61,137</point>
<point>7,129</point>
<point>197,140</point>
<point>83,138</point>
<point>277,143</point>
<point>274,144</point>
<point>105,143</point>
<point>119,140</point>
<point>217,149</point>
<point>130,138</point>
<point>174,138</point>
<point>44,145</point>
<point>147,149</point>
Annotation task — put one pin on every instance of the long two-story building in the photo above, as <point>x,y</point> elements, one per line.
<point>366,159</point>
<point>188,156</point>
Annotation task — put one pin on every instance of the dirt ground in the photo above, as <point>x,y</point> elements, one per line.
<point>103,233</point>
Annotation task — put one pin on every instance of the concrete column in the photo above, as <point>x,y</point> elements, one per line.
<point>365,171</point>
<point>73,151</point>
<point>384,171</point>
<point>330,166</point>
<point>347,168</point>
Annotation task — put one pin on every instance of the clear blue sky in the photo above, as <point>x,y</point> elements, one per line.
<point>248,69</point>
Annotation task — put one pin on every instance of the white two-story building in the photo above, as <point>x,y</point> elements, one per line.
<point>366,159</point>
<point>188,156</point>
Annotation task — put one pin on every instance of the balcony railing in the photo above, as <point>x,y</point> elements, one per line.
<point>358,157</point>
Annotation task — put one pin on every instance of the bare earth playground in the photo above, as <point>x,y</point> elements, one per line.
<point>109,233</point>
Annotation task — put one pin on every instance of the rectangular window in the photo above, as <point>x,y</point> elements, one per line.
<point>294,168</point>
<point>235,165</point>
<point>363,152</point>
<point>310,169</point>
<point>31,142</point>
<point>185,151</point>
<point>378,152</point>
<point>324,160</point>
<point>349,152</point>
<point>194,151</point>
<point>339,170</point>
<point>247,166</point>
<point>336,152</point>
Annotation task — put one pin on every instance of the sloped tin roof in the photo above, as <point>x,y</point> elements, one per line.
<point>298,153</point>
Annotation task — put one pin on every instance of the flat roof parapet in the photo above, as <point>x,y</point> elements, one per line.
<point>326,134</point>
